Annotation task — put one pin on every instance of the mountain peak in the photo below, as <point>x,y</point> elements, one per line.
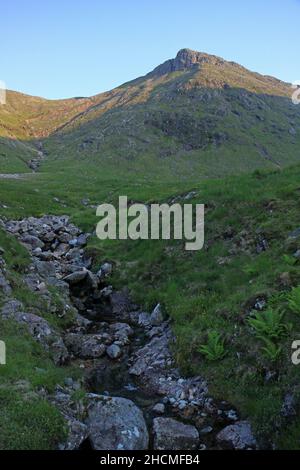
<point>185,59</point>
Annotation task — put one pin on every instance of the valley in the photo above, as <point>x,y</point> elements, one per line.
<point>198,126</point>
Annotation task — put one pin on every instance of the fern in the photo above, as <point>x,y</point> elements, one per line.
<point>271,350</point>
<point>214,349</point>
<point>290,260</point>
<point>294,300</point>
<point>268,324</point>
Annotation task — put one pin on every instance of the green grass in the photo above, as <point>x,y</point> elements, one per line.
<point>28,421</point>
<point>135,141</point>
<point>203,291</point>
<point>28,424</point>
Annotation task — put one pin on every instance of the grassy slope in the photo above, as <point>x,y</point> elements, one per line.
<point>27,421</point>
<point>187,123</point>
<point>207,290</point>
<point>212,120</point>
<point>204,291</point>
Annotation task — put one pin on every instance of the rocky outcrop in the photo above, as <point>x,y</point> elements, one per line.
<point>185,59</point>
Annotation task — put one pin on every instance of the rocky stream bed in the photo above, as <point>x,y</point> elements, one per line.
<point>134,395</point>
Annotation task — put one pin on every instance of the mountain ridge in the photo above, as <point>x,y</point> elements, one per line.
<point>175,120</point>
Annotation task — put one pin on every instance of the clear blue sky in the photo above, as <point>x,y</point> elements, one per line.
<point>64,48</point>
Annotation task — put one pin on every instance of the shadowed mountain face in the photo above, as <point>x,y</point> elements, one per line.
<point>194,116</point>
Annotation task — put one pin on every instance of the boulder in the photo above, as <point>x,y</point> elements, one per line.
<point>159,408</point>
<point>237,436</point>
<point>170,434</point>
<point>105,270</point>
<point>288,408</point>
<point>76,277</point>
<point>116,424</point>
<point>44,268</point>
<point>85,346</point>
<point>32,241</point>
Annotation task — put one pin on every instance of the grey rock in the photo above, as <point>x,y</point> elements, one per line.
<point>237,436</point>
<point>4,285</point>
<point>232,415</point>
<point>105,270</point>
<point>40,330</point>
<point>144,319</point>
<point>61,250</point>
<point>33,241</point>
<point>85,346</point>
<point>113,351</point>
<point>182,404</point>
<point>79,241</point>
<point>45,269</point>
<point>170,434</point>
<point>82,321</point>
<point>48,237</point>
<point>159,408</point>
<point>68,381</point>
<point>156,317</point>
<point>76,277</point>
<point>116,424</point>
<point>11,307</point>
<point>288,408</point>
<point>295,234</point>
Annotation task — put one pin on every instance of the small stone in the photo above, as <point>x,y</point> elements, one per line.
<point>76,277</point>
<point>113,351</point>
<point>105,270</point>
<point>159,408</point>
<point>206,430</point>
<point>288,408</point>
<point>68,381</point>
<point>42,287</point>
<point>295,234</point>
<point>232,415</point>
<point>182,404</point>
